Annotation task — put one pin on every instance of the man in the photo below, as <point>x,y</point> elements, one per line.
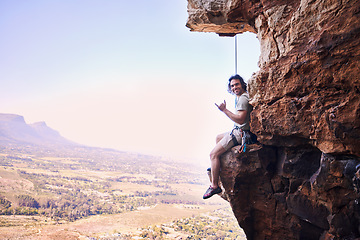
<point>239,135</point>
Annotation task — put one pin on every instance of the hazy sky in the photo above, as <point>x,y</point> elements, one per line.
<point>120,74</point>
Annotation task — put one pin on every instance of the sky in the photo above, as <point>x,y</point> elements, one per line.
<point>119,74</point>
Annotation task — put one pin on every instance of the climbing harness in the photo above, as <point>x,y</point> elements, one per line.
<point>245,137</point>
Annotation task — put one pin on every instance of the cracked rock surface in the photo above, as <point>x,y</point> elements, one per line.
<point>302,181</point>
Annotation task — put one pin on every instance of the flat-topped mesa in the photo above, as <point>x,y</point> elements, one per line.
<point>304,182</point>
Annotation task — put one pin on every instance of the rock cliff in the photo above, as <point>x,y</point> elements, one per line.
<point>302,180</point>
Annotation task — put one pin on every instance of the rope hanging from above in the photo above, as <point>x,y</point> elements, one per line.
<point>235,54</point>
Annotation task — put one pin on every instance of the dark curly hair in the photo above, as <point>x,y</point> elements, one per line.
<point>242,82</point>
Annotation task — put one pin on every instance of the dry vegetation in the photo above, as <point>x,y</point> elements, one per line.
<point>86,193</point>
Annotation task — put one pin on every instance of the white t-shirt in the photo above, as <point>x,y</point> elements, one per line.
<point>242,104</point>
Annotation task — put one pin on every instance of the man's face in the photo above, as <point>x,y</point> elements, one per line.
<point>236,86</point>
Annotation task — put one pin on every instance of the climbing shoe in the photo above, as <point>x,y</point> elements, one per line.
<point>211,191</point>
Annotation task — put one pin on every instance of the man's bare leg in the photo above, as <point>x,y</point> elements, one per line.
<point>219,137</point>
<point>215,168</point>
<point>215,171</point>
<point>215,164</point>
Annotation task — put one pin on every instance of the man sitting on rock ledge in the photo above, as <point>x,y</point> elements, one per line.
<point>240,134</point>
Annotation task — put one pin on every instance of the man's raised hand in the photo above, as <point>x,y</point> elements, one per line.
<point>222,106</point>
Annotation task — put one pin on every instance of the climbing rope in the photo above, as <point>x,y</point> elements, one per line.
<point>235,54</point>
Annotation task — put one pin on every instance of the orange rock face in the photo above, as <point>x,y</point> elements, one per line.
<point>306,99</point>
<point>308,86</point>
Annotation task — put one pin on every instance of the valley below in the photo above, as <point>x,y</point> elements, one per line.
<point>77,192</point>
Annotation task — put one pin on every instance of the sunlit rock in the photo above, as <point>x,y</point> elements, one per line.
<point>303,181</point>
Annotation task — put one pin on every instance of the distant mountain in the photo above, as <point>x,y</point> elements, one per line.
<point>14,130</point>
